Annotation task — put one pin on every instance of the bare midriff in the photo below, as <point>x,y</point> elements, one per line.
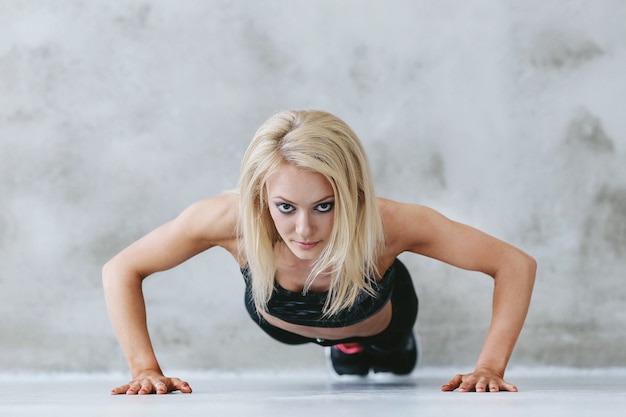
<point>368,327</point>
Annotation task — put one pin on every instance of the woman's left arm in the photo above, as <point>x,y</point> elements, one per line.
<point>424,231</point>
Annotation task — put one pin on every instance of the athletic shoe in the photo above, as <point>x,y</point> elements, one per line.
<point>349,360</point>
<point>400,361</point>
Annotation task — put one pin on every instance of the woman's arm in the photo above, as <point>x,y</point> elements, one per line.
<point>424,231</point>
<point>205,224</point>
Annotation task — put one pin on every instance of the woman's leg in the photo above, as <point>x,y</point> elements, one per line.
<point>395,349</point>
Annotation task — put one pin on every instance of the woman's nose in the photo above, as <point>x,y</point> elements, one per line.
<point>304,226</point>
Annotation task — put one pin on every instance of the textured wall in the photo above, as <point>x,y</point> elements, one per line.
<point>114,116</point>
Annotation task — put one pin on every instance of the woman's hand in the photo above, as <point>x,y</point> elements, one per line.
<point>479,381</point>
<point>152,383</point>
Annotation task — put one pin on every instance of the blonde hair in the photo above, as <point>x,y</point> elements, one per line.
<point>320,142</point>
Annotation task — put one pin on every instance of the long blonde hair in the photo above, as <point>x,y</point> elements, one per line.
<point>320,142</point>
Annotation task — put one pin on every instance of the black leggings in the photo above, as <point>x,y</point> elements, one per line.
<point>404,305</point>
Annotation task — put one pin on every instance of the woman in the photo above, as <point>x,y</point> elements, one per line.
<point>318,252</point>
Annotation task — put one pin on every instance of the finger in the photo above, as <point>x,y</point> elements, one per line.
<point>494,384</point>
<point>133,388</point>
<point>468,383</point>
<point>481,385</point>
<point>508,387</point>
<point>181,386</point>
<point>146,387</point>
<point>120,390</point>
<point>161,387</point>
<point>453,383</point>
<point>465,387</point>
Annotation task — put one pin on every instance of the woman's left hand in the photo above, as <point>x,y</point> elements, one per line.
<point>479,381</point>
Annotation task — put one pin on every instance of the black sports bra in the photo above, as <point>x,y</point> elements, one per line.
<point>307,310</point>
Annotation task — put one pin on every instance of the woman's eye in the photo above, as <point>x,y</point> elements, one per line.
<point>325,207</point>
<point>285,208</point>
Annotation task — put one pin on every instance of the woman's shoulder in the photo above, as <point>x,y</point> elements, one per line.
<point>218,205</point>
<point>392,210</point>
<point>228,200</point>
<point>214,219</point>
<point>403,222</point>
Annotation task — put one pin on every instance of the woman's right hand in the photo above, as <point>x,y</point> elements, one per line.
<point>210,222</point>
<point>152,383</point>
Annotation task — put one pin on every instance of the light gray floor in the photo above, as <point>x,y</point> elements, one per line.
<point>542,393</point>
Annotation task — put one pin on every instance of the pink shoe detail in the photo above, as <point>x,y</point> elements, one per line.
<point>349,350</point>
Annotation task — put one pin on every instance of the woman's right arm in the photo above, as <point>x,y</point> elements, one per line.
<point>208,223</point>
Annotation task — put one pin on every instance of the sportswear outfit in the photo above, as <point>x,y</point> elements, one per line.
<point>392,350</point>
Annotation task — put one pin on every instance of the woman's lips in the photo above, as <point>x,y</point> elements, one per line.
<point>306,245</point>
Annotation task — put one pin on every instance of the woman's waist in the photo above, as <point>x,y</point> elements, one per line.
<point>368,327</point>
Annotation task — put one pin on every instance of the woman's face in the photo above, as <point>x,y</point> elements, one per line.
<point>301,204</point>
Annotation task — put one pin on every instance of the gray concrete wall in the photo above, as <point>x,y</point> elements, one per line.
<point>114,116</point>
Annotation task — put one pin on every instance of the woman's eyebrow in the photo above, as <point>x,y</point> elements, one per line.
<point>286,200</point>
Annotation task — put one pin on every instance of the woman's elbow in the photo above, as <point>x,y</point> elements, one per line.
<point>112,272</point>
<point>529,266</point>
<point>107,274</point>
<point>518,264</point>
